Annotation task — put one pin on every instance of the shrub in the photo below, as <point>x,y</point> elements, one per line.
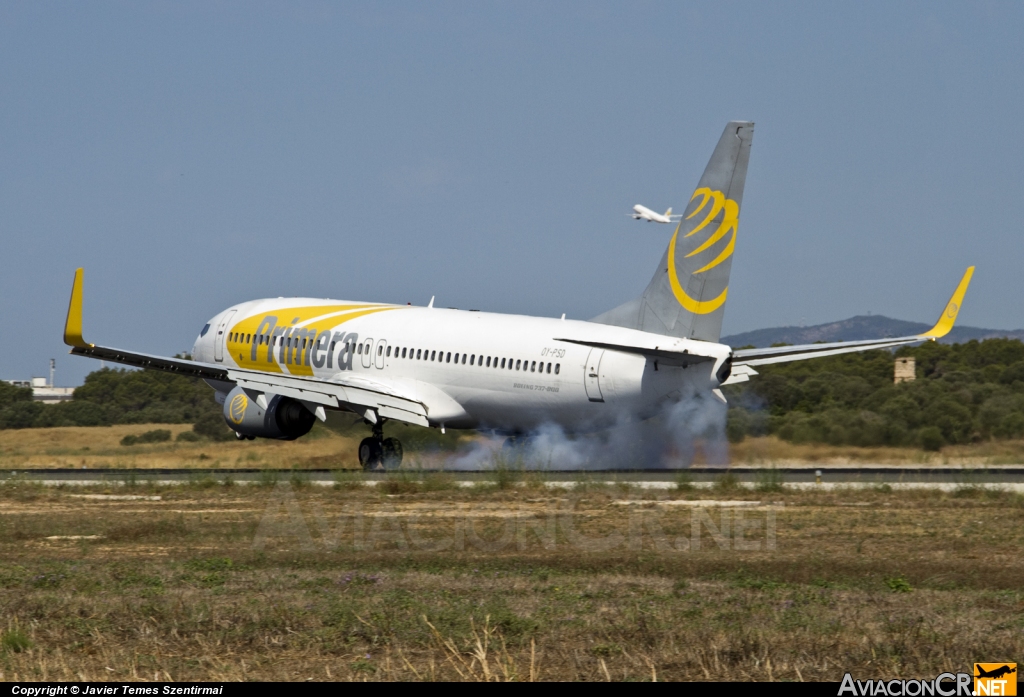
<point>931,438</point>
<point>160,435</point>
<point>736,425</point>
<point>213,427</point>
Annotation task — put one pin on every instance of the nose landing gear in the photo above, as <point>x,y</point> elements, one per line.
<point>378,452</point>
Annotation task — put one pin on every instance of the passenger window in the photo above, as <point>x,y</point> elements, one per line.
<point>380,350</point>
<point>360,351</point>
<point>558,366</point>
<point>403,353</point>
<point>419,354</point>
<point>502,362</point>
<point>533,367</point>
<point>463,359</point>
<point>448,358</point>
<point>433,355</point>
<point>472,358</point>
<point>517,365</point>
<point>389,352</point>
<point>549,368</point>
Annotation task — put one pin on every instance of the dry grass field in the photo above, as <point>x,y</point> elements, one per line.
<point>99,447</point>
<point>418,579</point>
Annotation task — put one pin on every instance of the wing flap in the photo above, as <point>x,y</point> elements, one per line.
<point>785,354</point>
<point>355,393</point>
<point>182,366</point>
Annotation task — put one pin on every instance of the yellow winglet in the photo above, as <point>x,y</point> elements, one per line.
<point>949,314</point>
<point>73,325</point>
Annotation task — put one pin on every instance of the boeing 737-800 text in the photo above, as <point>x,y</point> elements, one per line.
<point>278,364</point>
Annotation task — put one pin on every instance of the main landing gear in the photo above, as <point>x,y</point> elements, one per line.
<point>378,452</point>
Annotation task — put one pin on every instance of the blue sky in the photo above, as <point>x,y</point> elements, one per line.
<point>194,155</point>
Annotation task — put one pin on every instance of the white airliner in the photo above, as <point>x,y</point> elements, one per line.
<point>278,364</point>
<point>645,213</point>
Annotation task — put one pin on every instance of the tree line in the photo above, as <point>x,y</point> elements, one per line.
<point>118,396</point>
<point>962,393</point>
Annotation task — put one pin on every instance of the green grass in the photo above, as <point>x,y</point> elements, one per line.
<point>15,641</point>
<point>769,480</point>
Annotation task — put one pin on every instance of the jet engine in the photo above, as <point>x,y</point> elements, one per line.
<point>283,419</point>
<point>722,370</point>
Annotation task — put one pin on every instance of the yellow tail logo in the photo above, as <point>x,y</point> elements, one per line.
<point>728,226</point>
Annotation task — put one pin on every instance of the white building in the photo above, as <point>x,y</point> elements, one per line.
<point>43,389</point>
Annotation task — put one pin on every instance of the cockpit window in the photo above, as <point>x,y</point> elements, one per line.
<point>205,329</point>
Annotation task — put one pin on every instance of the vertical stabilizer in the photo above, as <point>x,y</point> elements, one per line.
<point>687,295</point>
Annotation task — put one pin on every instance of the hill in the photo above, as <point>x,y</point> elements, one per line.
<point>861,327</point>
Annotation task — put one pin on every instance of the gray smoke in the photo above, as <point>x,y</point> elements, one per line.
<point>683,429</point>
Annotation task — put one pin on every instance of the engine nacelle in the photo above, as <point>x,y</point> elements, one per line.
<point>283,419</point>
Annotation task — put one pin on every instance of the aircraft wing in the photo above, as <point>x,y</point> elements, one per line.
<point>362,396</point>
<point>784,354</point>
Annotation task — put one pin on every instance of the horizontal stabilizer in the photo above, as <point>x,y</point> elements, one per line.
<point>665,356</point>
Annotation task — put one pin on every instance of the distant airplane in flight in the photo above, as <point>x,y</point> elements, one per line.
<point>645,213</point>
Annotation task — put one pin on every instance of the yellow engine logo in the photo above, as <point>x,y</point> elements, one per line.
<point>726,227</point>
<point>236,410</point>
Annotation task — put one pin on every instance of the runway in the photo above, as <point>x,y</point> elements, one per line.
<point>1009,477</point>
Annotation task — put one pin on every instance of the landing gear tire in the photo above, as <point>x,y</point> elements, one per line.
<point>391,453</point>
<point>370,453</point>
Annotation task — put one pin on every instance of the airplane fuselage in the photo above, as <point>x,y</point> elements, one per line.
<point>473,369</point>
